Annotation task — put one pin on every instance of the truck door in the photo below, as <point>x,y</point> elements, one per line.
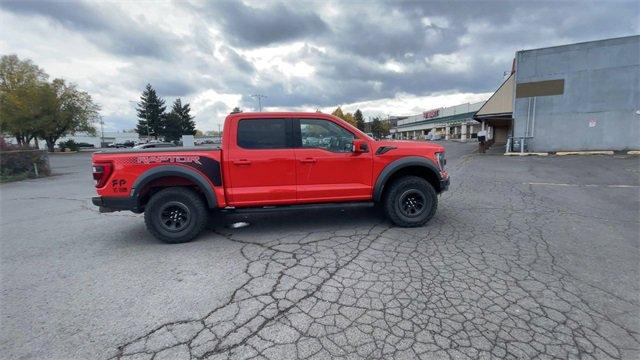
<point>327,168</point>
<point>261,163</point>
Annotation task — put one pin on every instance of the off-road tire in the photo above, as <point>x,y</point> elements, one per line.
<point>176,215</point>
<point>403,195</point>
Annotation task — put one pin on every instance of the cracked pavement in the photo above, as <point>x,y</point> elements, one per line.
<point>515,264</point>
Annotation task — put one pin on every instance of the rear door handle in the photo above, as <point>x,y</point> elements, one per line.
<point>242,162</point>
<point>308,160</point>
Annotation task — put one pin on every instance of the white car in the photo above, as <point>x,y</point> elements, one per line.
<point>153,145</point>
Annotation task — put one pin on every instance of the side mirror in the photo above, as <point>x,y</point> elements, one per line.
<point>360,146</point>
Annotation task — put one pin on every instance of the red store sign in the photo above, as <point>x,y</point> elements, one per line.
<point>431,114</point>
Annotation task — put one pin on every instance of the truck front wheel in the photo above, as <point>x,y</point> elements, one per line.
<point>175,215</point>
<point>410,201</point>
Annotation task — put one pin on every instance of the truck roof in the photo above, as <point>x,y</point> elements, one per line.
<point>268,114</point>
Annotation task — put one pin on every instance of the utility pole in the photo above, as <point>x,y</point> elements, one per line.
<point>101,132</point>
<point>259,97</point>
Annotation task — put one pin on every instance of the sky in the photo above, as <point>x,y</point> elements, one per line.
<point>385,58</point>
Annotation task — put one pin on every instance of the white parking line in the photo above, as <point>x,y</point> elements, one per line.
<point>582,185</point>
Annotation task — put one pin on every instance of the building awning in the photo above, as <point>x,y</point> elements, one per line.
<point>445,120</point>
<point>500,104</point>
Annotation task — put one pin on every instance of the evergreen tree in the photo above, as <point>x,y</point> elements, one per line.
<point>357,116</point>
<point>188,126</point>
<point>178,122</point>
<point>172,127</point>
<point>236,110</point>
<point>150,113</point>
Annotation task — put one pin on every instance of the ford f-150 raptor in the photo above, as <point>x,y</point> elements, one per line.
<point>271,160</point>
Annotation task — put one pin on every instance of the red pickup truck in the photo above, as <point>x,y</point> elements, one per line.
<point>271,160</point>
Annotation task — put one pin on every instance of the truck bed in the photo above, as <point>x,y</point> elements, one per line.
<point>165,149</point>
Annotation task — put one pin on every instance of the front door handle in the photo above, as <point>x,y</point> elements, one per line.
<point>241,162</point>
<point>308,160</point>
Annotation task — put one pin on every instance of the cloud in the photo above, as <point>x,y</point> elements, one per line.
<point>384,57</point>
<point>269,23</point>
<point>110,28</point>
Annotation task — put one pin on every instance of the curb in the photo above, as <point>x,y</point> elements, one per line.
<point>526,154</point>
<point>63,153</point>
<point>566,153</point>
<point>563,153</point>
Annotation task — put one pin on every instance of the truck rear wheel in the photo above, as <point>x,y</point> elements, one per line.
<point>410,201</point>
<point>175,215</point>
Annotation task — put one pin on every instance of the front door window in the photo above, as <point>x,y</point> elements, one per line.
<point>325,135</point>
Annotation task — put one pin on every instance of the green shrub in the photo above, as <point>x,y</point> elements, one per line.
<point>19,164</point>
<point>69,144</point>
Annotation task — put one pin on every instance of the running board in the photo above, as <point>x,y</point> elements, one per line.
<point>301,207</point>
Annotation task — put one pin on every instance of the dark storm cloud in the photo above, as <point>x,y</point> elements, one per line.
<point>357,51</point>
<point>479,40</point>
<point>249,26</point>
<point>238,61</point>
<point>174,87</point>
<point>383,31</point>
<point>111,29</point>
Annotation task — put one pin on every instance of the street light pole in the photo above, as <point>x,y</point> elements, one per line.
<point>259,97</point>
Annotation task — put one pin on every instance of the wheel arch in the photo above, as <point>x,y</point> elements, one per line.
<point>412,165</point>
<point>142,183</point>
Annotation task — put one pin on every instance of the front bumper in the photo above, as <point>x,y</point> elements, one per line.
<point>444,184</point>
<point>111,204</point>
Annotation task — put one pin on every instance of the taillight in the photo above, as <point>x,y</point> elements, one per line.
<point>101,173</point>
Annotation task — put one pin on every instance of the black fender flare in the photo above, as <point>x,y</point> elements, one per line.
<point>397,165</point>
<point>173,170</point>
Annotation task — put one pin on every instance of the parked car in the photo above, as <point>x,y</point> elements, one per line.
<point>125,144</point>
<point>153,146</point>
<point>266,161</point>
<point>85,145</point>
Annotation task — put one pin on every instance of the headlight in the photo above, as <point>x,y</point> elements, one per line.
<point>442,161</point>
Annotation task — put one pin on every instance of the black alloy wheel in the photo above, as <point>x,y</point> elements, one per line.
<point>412,203</point>
<point>174,216</point>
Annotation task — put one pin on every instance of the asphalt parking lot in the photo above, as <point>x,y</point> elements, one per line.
<point>526,257</point>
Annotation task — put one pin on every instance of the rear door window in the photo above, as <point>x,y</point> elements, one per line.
<point>264,134</point>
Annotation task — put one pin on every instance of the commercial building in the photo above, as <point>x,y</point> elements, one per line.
<point>454,122</point>
<point>575,97</point>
